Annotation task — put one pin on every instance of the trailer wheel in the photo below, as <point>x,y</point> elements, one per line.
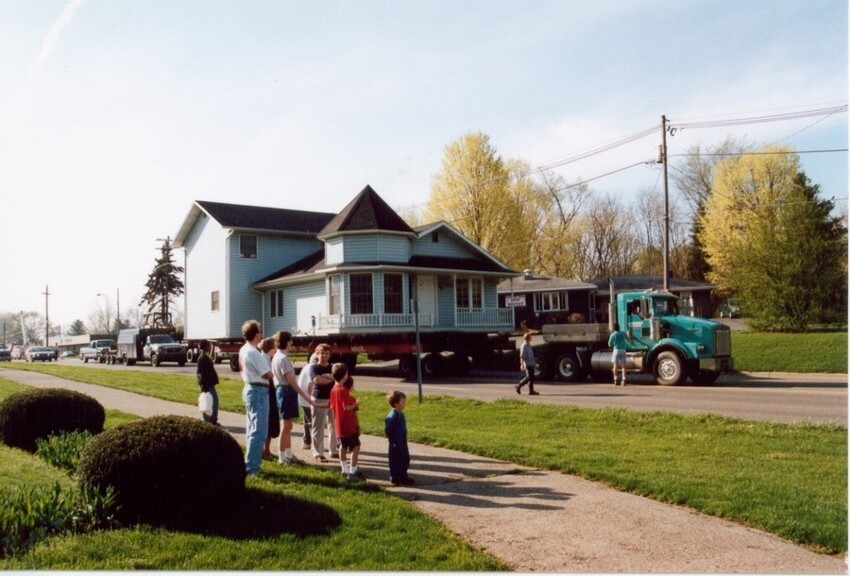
<point>542,366</point>
<point>407,367</point>
<point>669,369</point>
<point>234,363</point>
<point>430,366</point>
<point>567,367</point>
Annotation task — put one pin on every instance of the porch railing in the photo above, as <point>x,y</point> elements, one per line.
<point>465,318</point>
<point>500,317</point>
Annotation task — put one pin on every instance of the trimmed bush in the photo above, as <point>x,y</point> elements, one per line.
<point>166,470</point>
<point>27,416</point>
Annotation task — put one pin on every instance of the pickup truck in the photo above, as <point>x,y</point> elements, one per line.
<point>94,350</point>
<point>153,345</point>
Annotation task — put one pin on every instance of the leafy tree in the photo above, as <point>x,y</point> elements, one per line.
<point>163,284</point>
<point>78,328</point>
<point>770,240</point>
<point>484,197</point>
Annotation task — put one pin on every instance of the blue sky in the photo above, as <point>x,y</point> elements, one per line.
<point>115,116</point>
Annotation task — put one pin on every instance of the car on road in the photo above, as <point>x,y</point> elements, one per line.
<point>5,354</point>
<point>39,353</point>
<point>730,309</point>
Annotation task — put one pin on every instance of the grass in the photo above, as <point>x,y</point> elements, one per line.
<point>302,518</point>
<point>780,352</point>
<point>787,479</point>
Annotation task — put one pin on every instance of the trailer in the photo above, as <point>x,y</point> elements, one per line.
<point>660,341</point>
<point>154,345</point>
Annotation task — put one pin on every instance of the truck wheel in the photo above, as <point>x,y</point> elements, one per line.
<point>567,368</point>
<point>181,363</point>
<point>430,366</point>
<point>234,363</point>
<point>669,369</point>
<point>85,359</point>
<point>154,360</point>
<point>190,356</point>
<point>407,367</point>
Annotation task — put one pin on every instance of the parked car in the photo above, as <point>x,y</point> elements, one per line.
<point>40,353</point>
<point>5,354</point>
<point>67,354</point>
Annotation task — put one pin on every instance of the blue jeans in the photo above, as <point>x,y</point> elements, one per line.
<point>214,416</point>
<point>256,400</point>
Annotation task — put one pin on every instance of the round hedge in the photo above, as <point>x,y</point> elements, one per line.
<point>38,413</point>
<point>165,469</point>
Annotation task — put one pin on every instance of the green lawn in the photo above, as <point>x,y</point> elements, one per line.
<point>787,479</point>
<point>779,352</point>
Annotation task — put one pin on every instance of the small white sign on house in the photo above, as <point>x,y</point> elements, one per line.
<point>515,301</point>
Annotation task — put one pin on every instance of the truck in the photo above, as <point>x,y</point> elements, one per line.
<point>154,345</point>
<point>660,341</point>
<point>94,351</point>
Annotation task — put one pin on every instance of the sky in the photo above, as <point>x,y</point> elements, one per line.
<point>116,116</point>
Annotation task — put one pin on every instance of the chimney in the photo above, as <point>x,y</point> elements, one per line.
<point>527,274</point>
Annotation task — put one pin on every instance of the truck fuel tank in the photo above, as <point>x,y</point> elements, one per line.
<point>601,361</point>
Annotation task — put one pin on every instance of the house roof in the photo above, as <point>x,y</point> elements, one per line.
<point>366,212</point>
<point>541,284</point>
<point>647,282</point>
<point>258,218</point>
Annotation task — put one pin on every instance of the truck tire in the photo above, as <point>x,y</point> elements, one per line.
<point>155,359</point>
<point>190,356</point>
<point>567,367</point>
<point>181,362</point>
<point>407,367</point>
<point>542,366</point>
<point>430,366</point>
<point>85,359</point>
<point>234,363</point>
<point>669,369</point>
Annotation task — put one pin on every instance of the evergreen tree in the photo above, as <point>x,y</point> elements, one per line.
<point>163,283</point>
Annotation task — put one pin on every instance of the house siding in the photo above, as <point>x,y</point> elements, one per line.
<point>447,246</point>
<point>273,253</point>
<point>376,248</point>
<point>204,255</point>
<point>300,302</point>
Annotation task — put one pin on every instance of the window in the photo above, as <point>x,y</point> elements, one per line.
<point>276,303</point>
<point>214,301</point>
<point>361,293</point>
<point>468,292</point>
<point>550,302</point>
<point>334,294</point>
<point>393,296</point>
<point>248,246</point>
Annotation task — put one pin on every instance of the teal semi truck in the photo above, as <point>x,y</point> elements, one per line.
<point>670,346</point>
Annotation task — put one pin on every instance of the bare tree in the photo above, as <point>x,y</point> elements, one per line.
<point>607,245</point>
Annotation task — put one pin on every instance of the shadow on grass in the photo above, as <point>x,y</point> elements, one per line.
<point>260,514</point>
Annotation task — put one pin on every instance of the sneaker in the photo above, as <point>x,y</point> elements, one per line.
<point>533,393</point>
<point>306,447</point>
<point>295,460</point>
<point>321,458</point>
<point>404,482</point>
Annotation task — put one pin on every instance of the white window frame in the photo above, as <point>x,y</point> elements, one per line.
<point>276,304</point>
<point>556,301</point>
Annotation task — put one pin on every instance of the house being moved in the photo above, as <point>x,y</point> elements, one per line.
<point>350,279</point>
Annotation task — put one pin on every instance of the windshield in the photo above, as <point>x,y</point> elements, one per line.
<point>161,339</point>
<point>665,306</point>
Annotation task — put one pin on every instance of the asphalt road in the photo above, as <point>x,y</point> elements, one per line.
<point>777,397</point>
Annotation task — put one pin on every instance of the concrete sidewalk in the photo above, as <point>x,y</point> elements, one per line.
<point>535,520</point>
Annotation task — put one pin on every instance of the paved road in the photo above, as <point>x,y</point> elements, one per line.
<point>776,397</point>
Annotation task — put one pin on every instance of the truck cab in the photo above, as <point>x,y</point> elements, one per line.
<point>672,346</point>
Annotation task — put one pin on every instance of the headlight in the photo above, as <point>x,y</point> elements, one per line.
<point>701,348</point>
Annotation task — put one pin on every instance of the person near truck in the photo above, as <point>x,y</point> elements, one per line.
<point>255,394</point>
<point>617,341</point>
<point>526,364</point>
<point>208,379</point>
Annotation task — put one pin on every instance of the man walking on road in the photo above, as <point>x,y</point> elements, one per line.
<point>526,363</point>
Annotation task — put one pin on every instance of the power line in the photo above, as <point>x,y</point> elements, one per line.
<point>759,119</point>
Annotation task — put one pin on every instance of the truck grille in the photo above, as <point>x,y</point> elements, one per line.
<point>723,341</point>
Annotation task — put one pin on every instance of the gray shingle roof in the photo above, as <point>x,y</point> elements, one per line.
<point>264,218</point>
<point>367,211</point>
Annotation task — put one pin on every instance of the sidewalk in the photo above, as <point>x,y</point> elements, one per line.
<point>535,520</point>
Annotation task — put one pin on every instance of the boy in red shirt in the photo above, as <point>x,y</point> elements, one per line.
<point>344,407</point>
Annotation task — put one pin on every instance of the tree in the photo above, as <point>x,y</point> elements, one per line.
<point>606,245</point>
<point>78,328</point>
<point>483,197</point>
<point>163,284</point>
<point>558,226</point>
<point>770,240</point>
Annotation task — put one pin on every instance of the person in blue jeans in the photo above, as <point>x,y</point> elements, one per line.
<point>617,341</point>
<point>395,428</point>
<point>255,394</point>
<point>207,379</point>
<point>526,364</point>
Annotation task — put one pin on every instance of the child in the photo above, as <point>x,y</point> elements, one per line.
<point>395,427</point>
<point>344,407</point>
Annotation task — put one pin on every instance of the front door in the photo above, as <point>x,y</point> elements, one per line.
<point>426,289</point>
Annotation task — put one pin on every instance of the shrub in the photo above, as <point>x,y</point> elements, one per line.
<point>38,413</point>
<point>31,513</point>
<point>164,469</point>
<point>63,450</point>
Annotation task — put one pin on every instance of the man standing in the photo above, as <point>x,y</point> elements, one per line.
<point>255,394</point>
<point>526,364</point>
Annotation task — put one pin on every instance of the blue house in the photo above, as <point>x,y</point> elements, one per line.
<point>348,276</point>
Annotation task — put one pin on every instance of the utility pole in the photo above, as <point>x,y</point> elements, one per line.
<point>46,316</point>
<point>118,307</point>
<point>663,160</point>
